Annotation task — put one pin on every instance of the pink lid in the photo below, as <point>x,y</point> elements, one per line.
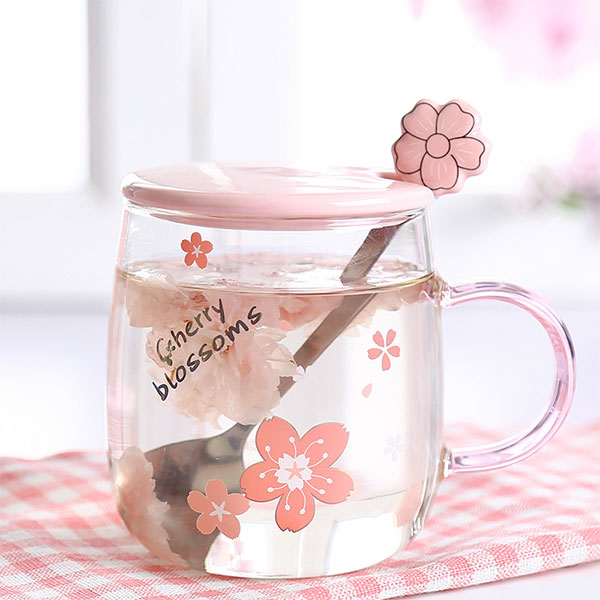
<point>261,197</point>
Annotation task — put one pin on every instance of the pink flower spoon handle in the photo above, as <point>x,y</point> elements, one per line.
<point>441,146</point>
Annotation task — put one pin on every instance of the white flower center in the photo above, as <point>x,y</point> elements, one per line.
<point>196,251</point>
<point>219,510</point>
<point>293,471</point>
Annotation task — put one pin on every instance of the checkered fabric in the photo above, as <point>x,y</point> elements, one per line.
<point>60,536</point>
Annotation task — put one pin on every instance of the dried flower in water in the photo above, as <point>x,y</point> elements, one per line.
<point>138,505</point>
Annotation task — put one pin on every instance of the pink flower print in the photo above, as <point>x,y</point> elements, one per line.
<point>196,249</point>
<point>297,470</point>
<point>218,509</point>
<point>385,350</point>
<point>441,146</point>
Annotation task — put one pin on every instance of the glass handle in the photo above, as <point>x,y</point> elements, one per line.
<point>519,447</point>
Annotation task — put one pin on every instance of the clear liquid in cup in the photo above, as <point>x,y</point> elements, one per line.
<point>195,352</point>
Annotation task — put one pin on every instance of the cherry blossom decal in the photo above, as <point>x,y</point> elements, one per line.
<point>297,470</point>
<point>384,349</point>
<point>440,146</point>
<point>196,250</point>
<point>394,447</point>
<point>218,509</point>
<point>304,374</point>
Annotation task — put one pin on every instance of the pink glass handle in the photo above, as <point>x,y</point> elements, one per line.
<point>514,449</point>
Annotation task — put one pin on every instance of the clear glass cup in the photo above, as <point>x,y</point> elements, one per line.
<point>275,372</point>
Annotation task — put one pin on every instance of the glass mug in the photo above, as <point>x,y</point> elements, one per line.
<point>275,370</point>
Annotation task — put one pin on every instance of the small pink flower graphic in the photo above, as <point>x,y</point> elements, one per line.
<point>440,146</point>
<point>196,249</point>
<point>218,509</point>
<point>297,470</point>
<point>384,350</point>
<point>138,504</point>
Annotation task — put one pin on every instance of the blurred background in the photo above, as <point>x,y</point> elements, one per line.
<point>91,90</point>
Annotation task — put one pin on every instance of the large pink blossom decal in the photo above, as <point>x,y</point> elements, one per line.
<point>440,146</point>
<point>297,470</point>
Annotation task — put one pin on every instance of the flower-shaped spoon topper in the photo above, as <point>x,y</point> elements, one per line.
<point>440,146</point>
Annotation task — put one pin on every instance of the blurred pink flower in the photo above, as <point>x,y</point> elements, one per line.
<point>416,7</point>
<point>584,168</point>
<point>138,505</point>
<point>574,185</point>
<point>548,38</point>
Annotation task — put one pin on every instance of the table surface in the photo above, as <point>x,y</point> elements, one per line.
<point>580,581</point>
<point>65,376</point>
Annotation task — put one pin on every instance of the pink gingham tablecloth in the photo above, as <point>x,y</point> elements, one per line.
<point>60,536</point>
